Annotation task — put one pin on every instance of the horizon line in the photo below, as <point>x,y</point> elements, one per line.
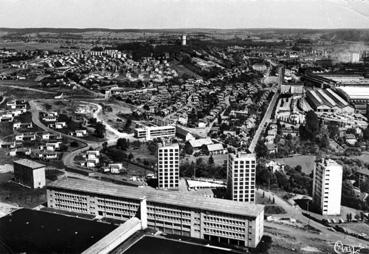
<point>189,28</point>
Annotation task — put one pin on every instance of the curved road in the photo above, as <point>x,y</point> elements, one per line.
<point>68,158</point>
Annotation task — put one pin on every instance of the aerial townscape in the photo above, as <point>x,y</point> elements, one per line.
<point>184,140</point>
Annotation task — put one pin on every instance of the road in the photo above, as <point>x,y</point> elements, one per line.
<point>266,118</point>
<point>296,213</point>
<point>112,133</point>
<point>68,158</point>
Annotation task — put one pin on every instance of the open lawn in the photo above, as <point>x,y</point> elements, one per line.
<point>270,208</point>
<point>4,157</point>
<point>25,94</point>
<point>6,129</point>
<point>364,157</point>
<point>306,162</point>
<point>142,152</point>
<point>358,227</point>
<point>218,158</point>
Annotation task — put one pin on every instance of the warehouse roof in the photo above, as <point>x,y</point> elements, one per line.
<point>163,197</point>
<point>356,92</point>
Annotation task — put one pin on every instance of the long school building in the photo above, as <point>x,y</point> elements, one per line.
<point>225,221</point>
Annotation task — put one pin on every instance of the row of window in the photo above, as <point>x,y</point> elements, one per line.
<point>222,233</point>
<point>225,227</point>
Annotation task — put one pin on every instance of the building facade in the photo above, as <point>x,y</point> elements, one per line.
<point>29,173</point>
<point>224,221</point>
<point>168,166</point>
<point>327,186</point>
<point>241,174</point>
<point>152,132</point>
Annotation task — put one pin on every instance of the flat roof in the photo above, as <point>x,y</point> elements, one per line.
<point>356,92</point>
<point>243,155</point>
<point>111,238</point>
<point>164,197</point>
<point>29,163</point>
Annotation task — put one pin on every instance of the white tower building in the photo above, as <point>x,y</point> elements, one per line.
<point>327,186</point>
<point>168,166</point>
<point>184,40</point>
<point>241,169</point>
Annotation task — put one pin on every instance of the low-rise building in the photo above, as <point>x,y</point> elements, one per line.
<point>152,132</point>
<point>229,222</point>
<point>29,173</point>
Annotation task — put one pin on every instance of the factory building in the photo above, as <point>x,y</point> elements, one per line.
<point>225,221</point>
<point>327,100</point>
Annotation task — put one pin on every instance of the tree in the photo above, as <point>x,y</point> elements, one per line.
<point>128,124</point>
<point>74,144</point>
<point>204,149</point>
<point>311,128</point>
<point>324,142</point>
<point>100,130</point>
<point>282,181</point>
<point>211,160</point>
<point>199,161</point>
<point>219,119</point>
<point>366,133</point>
<point>260,149</point>
<point>364,187</point>
<point>188,148</point>
<point>123,143</point>
<point>334,131</point>
<point>105,145</point>
<point>152,147</point>
<point>130,156</point>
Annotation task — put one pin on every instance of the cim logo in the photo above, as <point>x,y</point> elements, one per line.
<point>341,248</point>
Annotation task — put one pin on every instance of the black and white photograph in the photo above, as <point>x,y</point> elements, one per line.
<point>184,126</point>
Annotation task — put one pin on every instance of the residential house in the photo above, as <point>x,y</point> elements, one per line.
<point>214,149</point>
<point>19,125</point>
<point>350,139</point>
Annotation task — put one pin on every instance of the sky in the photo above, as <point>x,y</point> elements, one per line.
<point>148,14</point>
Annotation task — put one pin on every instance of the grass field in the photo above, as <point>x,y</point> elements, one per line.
<point>364,157</point>
<point>306,162</point>
<point>6,129</point>
<point>359,227</point>
<point>142,152</point>
<point>4,157</point>
<point>24,94</point>
<point>218,158</point>
<point>270,208</point>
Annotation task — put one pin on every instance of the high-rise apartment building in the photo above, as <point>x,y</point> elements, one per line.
<point>168,166</point>
<point>327,186</point>
<point>241,173</point>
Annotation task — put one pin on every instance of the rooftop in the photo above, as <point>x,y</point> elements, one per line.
<point>29,163</point>
<point>243,155</point>
<point>197,143</point>
<point>164,197</point>
<point>356,92</point>
<point>174,145</point>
